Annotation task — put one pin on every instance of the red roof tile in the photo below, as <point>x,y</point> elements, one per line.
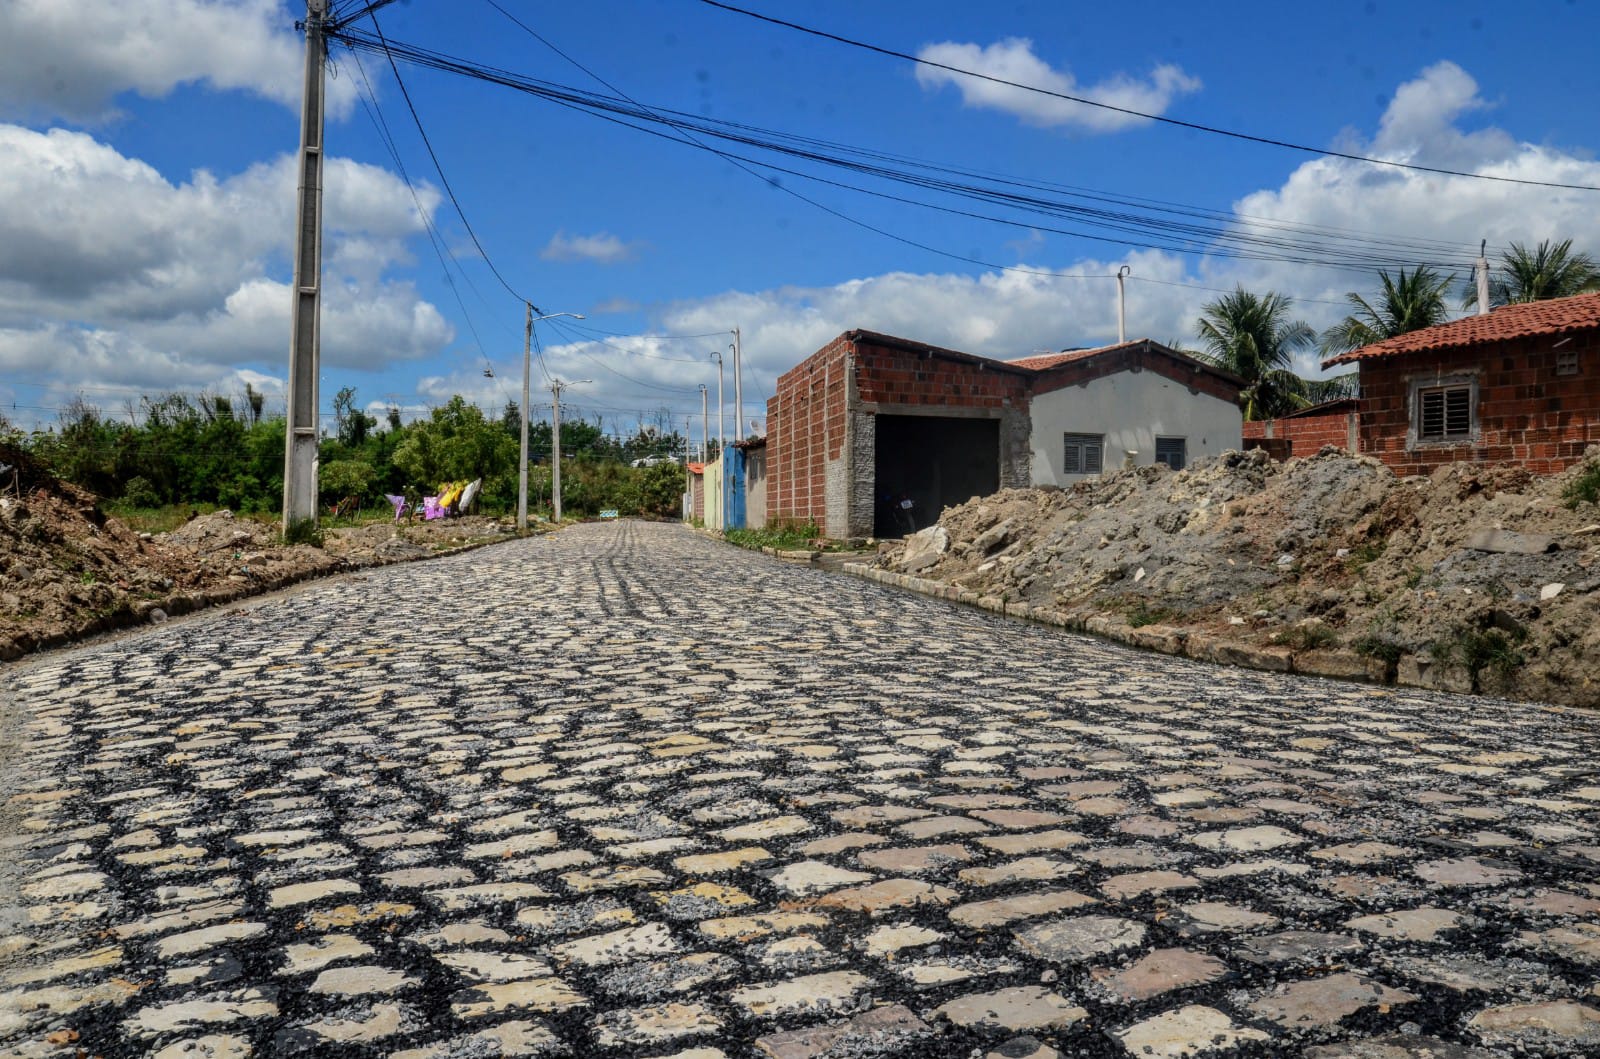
<point>1042,361</point>
<point>1553,317</point>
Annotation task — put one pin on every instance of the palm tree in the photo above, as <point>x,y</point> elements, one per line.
<point>1252,336</point>
<point>1409,302</point>
<point>1551,270</point>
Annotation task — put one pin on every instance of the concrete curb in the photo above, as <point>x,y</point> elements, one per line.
<point>134,614</point>
<point>1166,639</point>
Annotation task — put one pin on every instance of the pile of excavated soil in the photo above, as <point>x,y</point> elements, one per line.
<point>1478,578</point>
<point>67,570</point>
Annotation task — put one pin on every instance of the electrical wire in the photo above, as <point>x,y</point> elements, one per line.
<point>1193,126</point>
<point>438,168</point>
<point>440,248</point>
<point>1163,227</point>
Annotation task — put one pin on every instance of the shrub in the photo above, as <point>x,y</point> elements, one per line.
<point>1584,489</point>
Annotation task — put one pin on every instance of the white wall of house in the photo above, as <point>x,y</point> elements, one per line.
<point>1130,410</point>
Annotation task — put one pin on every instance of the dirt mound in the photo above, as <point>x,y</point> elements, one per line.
<point>67,570</point>
<point>1478,578</point>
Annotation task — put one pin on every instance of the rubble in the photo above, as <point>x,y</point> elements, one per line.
<point>68,570</point>
<point>1475,579</point>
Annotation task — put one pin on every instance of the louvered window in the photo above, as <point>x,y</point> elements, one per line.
<point>1444,412</point>
<point>1172,452</point>
<point>1083,453</point>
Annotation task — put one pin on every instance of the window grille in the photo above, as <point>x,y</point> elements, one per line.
<point>1172,452</point>
<point>1444,412</point>
<point>1083,453</point>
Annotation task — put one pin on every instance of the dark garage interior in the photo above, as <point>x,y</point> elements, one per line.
<point>934,462</point>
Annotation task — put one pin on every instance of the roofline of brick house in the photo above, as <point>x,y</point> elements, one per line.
<point>877,338</point>
<point>1552,316</point>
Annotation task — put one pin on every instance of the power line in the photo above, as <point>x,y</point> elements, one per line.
<point>1194,126</point>
<point>1224,236</point>
<point>440,248</point>
<point>438,168</point>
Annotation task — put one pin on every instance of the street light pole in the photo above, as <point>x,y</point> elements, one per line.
<point>705,425</point>
<point>527,369</point>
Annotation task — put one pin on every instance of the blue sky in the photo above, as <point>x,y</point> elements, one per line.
<point>147,182</point>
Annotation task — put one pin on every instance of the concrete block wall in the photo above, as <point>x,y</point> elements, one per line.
<point>806,417</point>
<point>1527,414</point>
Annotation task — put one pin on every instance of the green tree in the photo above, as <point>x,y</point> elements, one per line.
<point>1252,336</point>
<point>1549,270</point>
<point>341,478</point>
<point>1409,302</point>
<point>456,443</point>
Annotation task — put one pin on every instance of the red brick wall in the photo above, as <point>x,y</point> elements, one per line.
<point>1527,414</point>
<point>889,375</point>
<point>806,428</point>
<point>1305,435</point>
<point>806,417</point>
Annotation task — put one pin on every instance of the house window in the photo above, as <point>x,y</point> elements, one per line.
<point>1082,453</point>
<point>1444,413</point>
<point>1566,362</point>
<point>1171,451</point>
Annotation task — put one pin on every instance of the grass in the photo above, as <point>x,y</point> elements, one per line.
<point>786,537</point>
<point>1376,645</point>
<point>1480,649</point>
<point>155,519</point>
<point>1142,613</point>
<point>1306,637</point>
<point>1366,552</point>
<point>1585,488</point>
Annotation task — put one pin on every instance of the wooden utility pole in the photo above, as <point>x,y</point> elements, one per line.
<point>305,353</point>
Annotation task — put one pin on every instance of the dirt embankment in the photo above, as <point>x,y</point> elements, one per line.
<point>67,570</point>
<point>1475,579</point>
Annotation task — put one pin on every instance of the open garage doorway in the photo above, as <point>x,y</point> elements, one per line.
<point>933,461</point>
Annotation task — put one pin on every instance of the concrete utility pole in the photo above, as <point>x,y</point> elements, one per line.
<point>556,386</point>
<point>705,425</point>
<point>305,354</point>
<point>722,438</point>
<point>1122,308</point>
<point>522,465</point>
<point>739,428</point>
<point>555,453</point>
<point>1483,278</point>
<point>527,370</point>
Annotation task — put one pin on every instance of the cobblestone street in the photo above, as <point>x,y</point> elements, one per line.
<point>627,791</point>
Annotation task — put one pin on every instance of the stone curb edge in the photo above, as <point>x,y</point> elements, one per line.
<point>136,614</point>
<point>1200,646</point>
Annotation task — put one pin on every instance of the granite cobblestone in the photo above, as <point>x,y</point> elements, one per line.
<point>623,791</point>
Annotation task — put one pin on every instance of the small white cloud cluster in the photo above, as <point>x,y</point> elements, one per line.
<point>1013,60</point>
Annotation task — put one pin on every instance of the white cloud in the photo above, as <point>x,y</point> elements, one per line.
<point>602,248</point>
<point>1013,60</point>
<point>70,60</point>
<point>108,271</point>
<point>1422,125</point>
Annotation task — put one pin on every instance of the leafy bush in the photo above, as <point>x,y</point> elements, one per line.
<point>139,492</point>
<point>1309,637</point>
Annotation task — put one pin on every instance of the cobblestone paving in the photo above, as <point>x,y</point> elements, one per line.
<point>625,791</point>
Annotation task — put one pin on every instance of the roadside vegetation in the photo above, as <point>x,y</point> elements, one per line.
<point>160,461</point>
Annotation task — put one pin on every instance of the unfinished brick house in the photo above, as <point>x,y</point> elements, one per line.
<point>870,420</point>
<point>1520,384</point>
